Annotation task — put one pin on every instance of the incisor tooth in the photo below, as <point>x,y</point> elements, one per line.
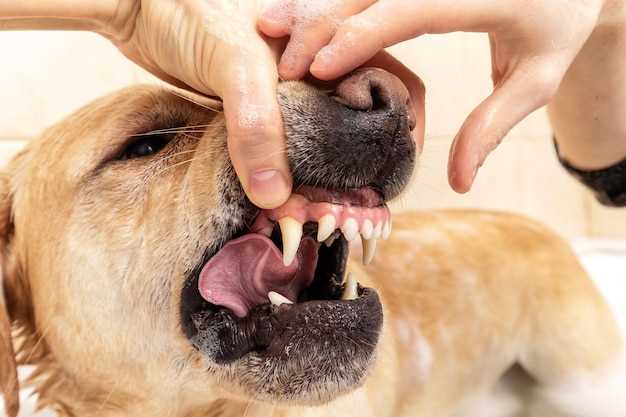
<point>350,229</point>
<point>325,227</point>
<point>378,230</point>
<point>291,231</point>
<point>350,288</point>
<point>369,249</point>
<point>278,299</point>
<point>387,229</point>
<point>367,229</point>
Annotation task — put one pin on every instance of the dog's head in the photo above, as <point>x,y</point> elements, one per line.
<point>142,271</point>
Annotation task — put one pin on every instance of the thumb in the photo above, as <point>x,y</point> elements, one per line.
<point>255,134</point>
<point>529,86</point>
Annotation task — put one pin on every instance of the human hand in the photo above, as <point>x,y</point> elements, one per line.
<point>213,47</point>
<point>532,46</point>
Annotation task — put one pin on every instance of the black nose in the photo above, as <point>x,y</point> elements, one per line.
<point>373,89</point>
<point>357,136</point>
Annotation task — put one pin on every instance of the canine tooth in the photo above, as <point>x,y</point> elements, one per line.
<point>350,288</point>
<point>367,229</point>
<point>378,231</point>
<point>278,299</point>
<point>291,231</point>
<point>369,249</point>
<point>387,229</point>
<point>329,242</point>
<point>325,227</point>
<point>350,229</point>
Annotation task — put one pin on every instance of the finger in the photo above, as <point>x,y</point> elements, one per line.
<point>255,135</point>
<point>310,26</point>
<point>386,23</point>
<point>530,86</point>
<point>276,20</point>
<point>302,48</point>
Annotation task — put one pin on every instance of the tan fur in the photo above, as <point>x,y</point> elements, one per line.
<point>8,371</point>
<point>467,294</point>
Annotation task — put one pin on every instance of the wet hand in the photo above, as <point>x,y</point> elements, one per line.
<point>213,47</point>
<point>532,46</point>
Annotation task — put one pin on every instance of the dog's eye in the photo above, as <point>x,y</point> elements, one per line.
<point>147,145</point>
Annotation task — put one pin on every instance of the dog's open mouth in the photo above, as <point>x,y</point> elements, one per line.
<point>287,273</point>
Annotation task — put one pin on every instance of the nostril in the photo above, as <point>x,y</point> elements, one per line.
<point>378,101</point>
<point>372,89</point>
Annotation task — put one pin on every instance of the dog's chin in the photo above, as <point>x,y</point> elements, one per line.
<point>289,331</point>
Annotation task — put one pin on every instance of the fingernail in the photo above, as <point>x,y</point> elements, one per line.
<point>269,188</point>
<point>321,59</point>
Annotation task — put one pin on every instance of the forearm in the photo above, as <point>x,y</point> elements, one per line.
<point>93,15</point>
<point>588,114</point>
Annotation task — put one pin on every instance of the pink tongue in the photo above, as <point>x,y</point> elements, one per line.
<point>241,274</point>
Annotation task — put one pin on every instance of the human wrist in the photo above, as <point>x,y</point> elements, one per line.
<point>586,112</point>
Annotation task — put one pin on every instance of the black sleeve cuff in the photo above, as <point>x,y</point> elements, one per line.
<point>608,184</point>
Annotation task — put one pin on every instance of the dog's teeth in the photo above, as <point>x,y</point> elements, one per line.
<point>350,288</point>
<point>325,227</point>
<point>387,229</point>
<point>329,242</point>
<point>350,229</point>
<point>378,230</point>
<point>367,229</point>
<point>291,231</point>
<point>369,249</point>
<point>278,299</point>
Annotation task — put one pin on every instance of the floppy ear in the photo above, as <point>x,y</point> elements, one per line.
<point>8,367</point>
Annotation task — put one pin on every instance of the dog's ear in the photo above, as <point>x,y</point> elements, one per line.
<point>8,368</point>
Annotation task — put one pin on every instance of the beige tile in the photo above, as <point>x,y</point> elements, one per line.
<point>456,70</point>
<point>50,74</point>
<point>9,148</point>
<point>548,193</point>
<point>520,176</point>
<point>606,222</point>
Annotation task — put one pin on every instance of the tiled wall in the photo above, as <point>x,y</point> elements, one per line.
<point>45,76</point>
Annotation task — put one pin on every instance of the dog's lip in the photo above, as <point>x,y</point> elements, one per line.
<point>268,330</point>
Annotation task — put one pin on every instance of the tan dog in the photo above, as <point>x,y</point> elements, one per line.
<point>137,278</point>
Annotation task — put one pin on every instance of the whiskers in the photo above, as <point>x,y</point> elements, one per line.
<point>181,129</point>
<point>201,128</point>
<point>197,103</point>
<point>181,163</point>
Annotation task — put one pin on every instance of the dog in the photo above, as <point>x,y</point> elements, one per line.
<point>138,280</point>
